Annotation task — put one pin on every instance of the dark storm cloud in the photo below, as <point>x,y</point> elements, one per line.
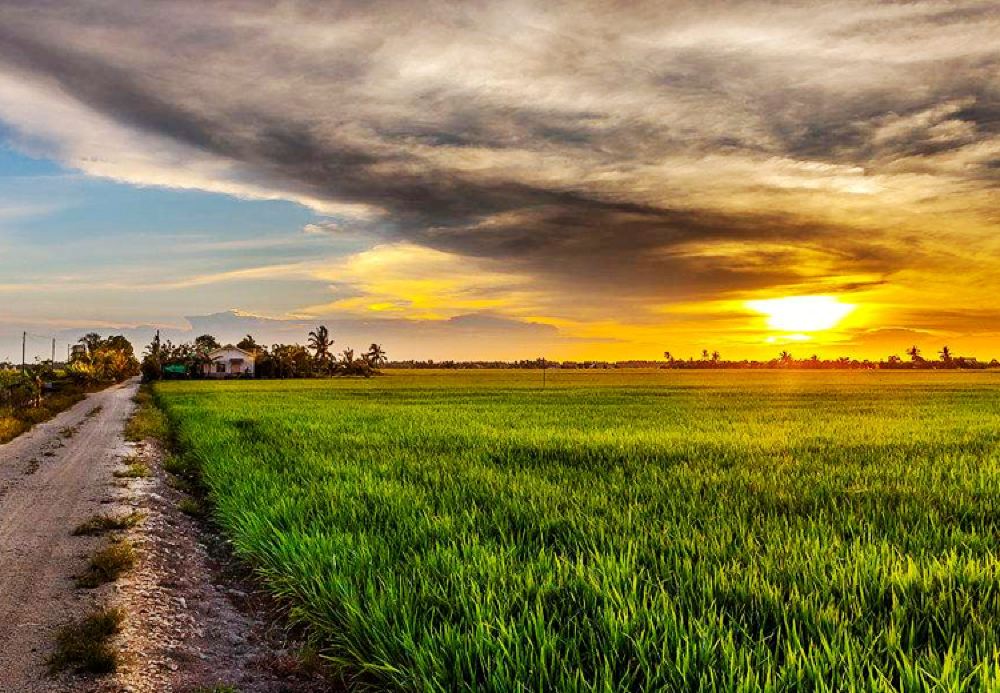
<point>548,138</point>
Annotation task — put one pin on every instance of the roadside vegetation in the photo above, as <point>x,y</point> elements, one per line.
<point>618,530</point>
<point>148,421</point>
<point>85,646</point>
<point>35,393</point>
<point>102,524</point>
<point>108,564</point>
<point>134,468</point>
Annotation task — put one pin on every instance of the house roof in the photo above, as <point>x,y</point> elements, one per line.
<point>220,350</point>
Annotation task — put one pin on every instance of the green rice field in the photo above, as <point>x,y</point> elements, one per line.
<point>619,530</point>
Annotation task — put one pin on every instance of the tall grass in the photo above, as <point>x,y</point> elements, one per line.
<point>644,531</point>
<point>15,420</point>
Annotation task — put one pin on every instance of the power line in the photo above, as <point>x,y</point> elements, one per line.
<point>25,335</point>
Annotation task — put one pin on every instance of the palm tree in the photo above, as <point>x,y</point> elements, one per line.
<point>914,353</point>
<point>716,356</point>
<point>945,354</point>
<point>376,355</point>
<point>320,343</point>
<point>668,356</point>
<point>704,354</point>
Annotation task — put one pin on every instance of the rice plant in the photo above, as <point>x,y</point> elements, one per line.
<point>619,530</point>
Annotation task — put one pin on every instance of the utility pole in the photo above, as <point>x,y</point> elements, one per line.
<point>53,362</point>
<point>24,352</point>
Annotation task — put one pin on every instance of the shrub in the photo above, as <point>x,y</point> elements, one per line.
<point>107,565</point>
<point>85,645</point>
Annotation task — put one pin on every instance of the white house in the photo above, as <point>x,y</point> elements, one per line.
<point>229,362</point>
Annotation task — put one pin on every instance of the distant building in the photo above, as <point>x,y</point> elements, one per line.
<point>77,351</point>
<point>230,362</point>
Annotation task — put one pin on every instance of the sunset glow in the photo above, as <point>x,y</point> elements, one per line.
<point>585,181</point>
<point>646,345</point>
<point>802,313</point>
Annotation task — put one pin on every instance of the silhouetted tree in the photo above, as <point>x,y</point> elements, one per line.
<point>152,366</point>
<point>291,361</point>
<point>376,355</point>
<point>154,346</point>
<point>347,357</point>
<point>320,343</point>
<point>248,343</point>
<point>206,343</point>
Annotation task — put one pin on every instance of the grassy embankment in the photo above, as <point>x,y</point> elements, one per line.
<point>16,420</point>
<point>619,530</point>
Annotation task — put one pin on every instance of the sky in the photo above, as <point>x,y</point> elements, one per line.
<point>575,180</point>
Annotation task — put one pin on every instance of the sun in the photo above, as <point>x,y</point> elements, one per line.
<point>802,313</point>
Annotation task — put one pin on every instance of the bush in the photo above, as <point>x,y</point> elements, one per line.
<point>85,645</point>
<point>107,565</point>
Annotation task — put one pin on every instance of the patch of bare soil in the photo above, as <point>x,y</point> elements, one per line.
<point>194,619</point>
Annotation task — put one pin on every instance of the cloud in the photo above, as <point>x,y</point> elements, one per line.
<point>582,158</point>
<point>421,283</point>
<point>325,227</point>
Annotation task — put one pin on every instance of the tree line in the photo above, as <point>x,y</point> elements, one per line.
<point>714,360</point>
<point>915,361</point>
<point>315,359</point>
<point>96,360</point>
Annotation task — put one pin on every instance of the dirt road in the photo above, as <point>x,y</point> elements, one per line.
<point>51,479</point>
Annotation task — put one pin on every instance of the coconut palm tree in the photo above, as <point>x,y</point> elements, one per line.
<point>914,353</point>
<point>945,354</point>
<point>376,355</point>
<point>320,343</point>
<point>347,359</point>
